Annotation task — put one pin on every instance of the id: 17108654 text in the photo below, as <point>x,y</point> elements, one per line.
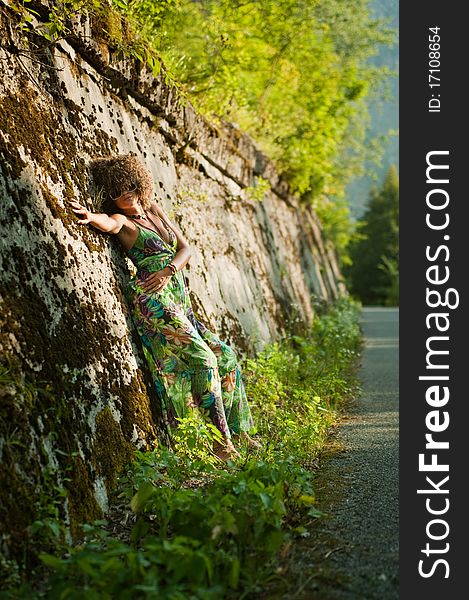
<point>434,55</point>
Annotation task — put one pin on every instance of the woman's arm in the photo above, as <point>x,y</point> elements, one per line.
<point>102,221</point>
<point>183,255</point>
<point>156,281</point>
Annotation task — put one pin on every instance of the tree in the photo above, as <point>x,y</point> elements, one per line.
<point>294,74</point>
<point>374,273</point>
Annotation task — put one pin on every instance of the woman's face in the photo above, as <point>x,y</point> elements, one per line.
<point>127,199</point>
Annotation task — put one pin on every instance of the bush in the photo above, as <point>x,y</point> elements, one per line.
<point>203,529</point>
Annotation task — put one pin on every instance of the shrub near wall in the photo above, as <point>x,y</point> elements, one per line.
<point>207,530</point>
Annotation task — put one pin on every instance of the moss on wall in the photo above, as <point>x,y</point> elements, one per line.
<point>83,507</point>
<point>111,451</point>
<point>36,453</point>
<point>53,327</point>
<point>17,492</point>
<point>77,398</point>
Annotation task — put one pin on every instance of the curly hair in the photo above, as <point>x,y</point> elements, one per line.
<point>114,175</point>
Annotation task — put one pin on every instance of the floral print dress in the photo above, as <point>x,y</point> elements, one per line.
<point>191,367</point>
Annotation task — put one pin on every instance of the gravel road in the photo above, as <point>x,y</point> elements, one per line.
<point>353,551</point>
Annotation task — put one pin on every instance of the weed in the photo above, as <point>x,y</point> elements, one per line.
<point>203,529</point>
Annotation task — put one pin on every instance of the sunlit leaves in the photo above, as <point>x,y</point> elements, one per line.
<point>292,74</point>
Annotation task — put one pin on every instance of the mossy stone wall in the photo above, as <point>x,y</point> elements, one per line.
<point>76,397</point>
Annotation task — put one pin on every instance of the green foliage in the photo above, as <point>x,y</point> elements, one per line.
<point>337,226</point>
<point>374,273</point>
<point>49,504</point>
<point>204,535</point>
<point>204,541</point>
<point>294,75</point>
<point>32,502</point>
<point>297,384</point>
<point>194,439</point>
<point>59,23</point>
<point>390,266</point>
<point>257,191</point>
<point>204,529</point>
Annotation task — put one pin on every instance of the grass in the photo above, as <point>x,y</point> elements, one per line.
<point>186,526</point>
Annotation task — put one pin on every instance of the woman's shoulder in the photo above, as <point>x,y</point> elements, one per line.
<point>122,219</point>
<point>126,225</point>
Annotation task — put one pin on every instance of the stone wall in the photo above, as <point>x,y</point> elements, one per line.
<point>76,396</point>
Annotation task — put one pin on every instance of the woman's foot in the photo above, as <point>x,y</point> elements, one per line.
<point>226,450</point>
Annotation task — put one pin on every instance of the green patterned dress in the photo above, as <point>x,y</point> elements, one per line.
<point>191,367</point>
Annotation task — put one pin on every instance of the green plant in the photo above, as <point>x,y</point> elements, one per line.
<point>337,225</point>
<point>204,529</point>
<point>390,266</point>
<point>374,269</point>
<point>294,75</point>
<point>59,19</point>
<point>296,384</point>
<point>185,193</point>
<point>194,439</point>
<point>33,502</point>
<point>257,191</point>
<point>208,540</point>
<point>49,504</point>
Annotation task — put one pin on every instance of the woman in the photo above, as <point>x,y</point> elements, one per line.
<point>190,365</point>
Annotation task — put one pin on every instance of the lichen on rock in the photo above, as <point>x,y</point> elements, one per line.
<point>74,370</point>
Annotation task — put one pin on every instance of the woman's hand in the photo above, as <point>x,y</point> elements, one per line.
<point>102,221</point>
<point>81,211</point>
<point>156,281</point>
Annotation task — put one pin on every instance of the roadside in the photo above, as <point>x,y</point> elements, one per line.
<point>352,552</point>
<point>219,530</point>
